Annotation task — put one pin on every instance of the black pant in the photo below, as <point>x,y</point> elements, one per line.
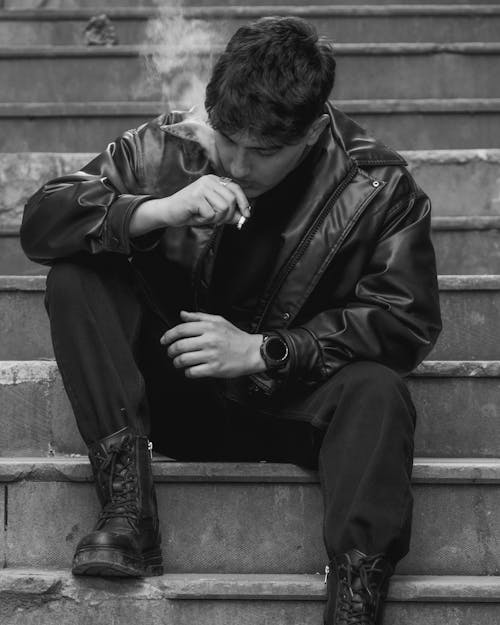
<point>357,427</point>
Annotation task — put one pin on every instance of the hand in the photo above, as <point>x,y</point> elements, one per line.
<point>210,346</point>
<point>210,200</point>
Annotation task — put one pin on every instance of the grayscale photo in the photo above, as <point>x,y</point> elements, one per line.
<point>250,312</point>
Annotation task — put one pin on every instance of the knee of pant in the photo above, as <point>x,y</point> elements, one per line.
<point>381,389</point>
<point>373,379</point>
<point>63,282</point>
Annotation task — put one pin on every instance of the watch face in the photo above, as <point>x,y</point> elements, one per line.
<point>276,348</point>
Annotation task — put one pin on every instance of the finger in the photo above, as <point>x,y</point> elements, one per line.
<point>241,198</point>
<point>199,371</point>
<point>183,330</point>
<point>224,191</point>
<point>233,213</point>
<point>224,209</point>
<point>183,346</point>
<point>190,359</point>
<point>198,316</point>
<point>206,213</point>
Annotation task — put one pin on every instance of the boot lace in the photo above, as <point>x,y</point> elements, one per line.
<point>121,484</point>
<point>358,605</point>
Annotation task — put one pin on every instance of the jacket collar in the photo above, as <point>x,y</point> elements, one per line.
<point>357,144</point>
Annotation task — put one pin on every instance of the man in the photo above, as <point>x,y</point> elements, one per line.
<point>248,290</point>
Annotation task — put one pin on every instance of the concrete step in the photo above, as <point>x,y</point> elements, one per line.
<point>470,308</point>
<point>45,597</point>
<point>460,182</point>
<point>342,24</point>
<point>457,407</point>
<point>403,124</point>
<point>464,245</point>
<point>44,5</point>
<point>365,71</point>
<point>205,508</point>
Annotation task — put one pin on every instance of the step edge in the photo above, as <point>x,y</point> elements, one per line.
<point>234,12</point>
<point>41,110</point>
<point>425,588</point>
<point>479,282</point>
<point>22,371</point>
<point>341,49</point>
<point>465,471</point>
<point>435,157</point>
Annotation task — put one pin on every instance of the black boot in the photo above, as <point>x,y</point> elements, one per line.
<point>126,539</point>
<point>357,588</point>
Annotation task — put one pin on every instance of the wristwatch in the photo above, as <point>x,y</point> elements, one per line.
<point>274,352</point>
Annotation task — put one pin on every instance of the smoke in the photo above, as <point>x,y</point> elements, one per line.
<point>179,53</point>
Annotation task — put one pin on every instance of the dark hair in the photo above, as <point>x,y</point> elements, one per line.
<point>272,80</point>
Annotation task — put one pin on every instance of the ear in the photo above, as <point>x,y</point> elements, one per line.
<point>317,128</point>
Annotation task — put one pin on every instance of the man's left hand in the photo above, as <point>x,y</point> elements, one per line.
<point>210,346</point>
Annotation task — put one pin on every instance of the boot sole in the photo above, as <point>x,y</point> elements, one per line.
<point>102,562</point>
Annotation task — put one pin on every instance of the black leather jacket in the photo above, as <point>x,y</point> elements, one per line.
<point>355,278</point>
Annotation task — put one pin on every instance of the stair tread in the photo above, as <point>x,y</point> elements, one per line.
<point>152,108</point>
<point>251,586</point>
<point>341,49</point>
<point>77,468</point>
<point>228,12</point>
<point>426,156</point>
<point>490,282</point>
<point>18,371</point>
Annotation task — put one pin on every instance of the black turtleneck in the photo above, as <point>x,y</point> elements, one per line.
<point>245,258</point>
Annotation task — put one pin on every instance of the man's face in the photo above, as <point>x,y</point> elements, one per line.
<point>253,164</point>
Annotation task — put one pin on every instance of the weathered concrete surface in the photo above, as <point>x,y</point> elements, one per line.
<point>205,523</point>
<point>471,325</point>
<point>467,251</point>
<point>36,416</point>
<point>118,73</point>
<point>22,174</point>
<point>456,417</point>
<point>25,332</point>
<point>457,410</point>
<point>459,182</point>
<point>13,261</point>
<point>470,307</point>
<point>348,24</point>
<point>45,597</point>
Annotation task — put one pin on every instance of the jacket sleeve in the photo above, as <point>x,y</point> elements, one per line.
<point>393,317</point>
<point>88,211</point>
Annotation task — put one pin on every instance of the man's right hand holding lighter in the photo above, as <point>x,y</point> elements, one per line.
<point>210,200</point>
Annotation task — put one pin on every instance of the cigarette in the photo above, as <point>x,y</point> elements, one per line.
<point>242,220</point>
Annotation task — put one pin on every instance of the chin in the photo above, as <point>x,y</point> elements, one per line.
<point>253,192</point>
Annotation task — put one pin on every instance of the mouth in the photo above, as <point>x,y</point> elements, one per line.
<point>245,184</point>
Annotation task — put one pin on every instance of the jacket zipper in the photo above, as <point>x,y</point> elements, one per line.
<point>302,246</point>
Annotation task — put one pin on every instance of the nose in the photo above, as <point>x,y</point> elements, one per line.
<point>239,167</point>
